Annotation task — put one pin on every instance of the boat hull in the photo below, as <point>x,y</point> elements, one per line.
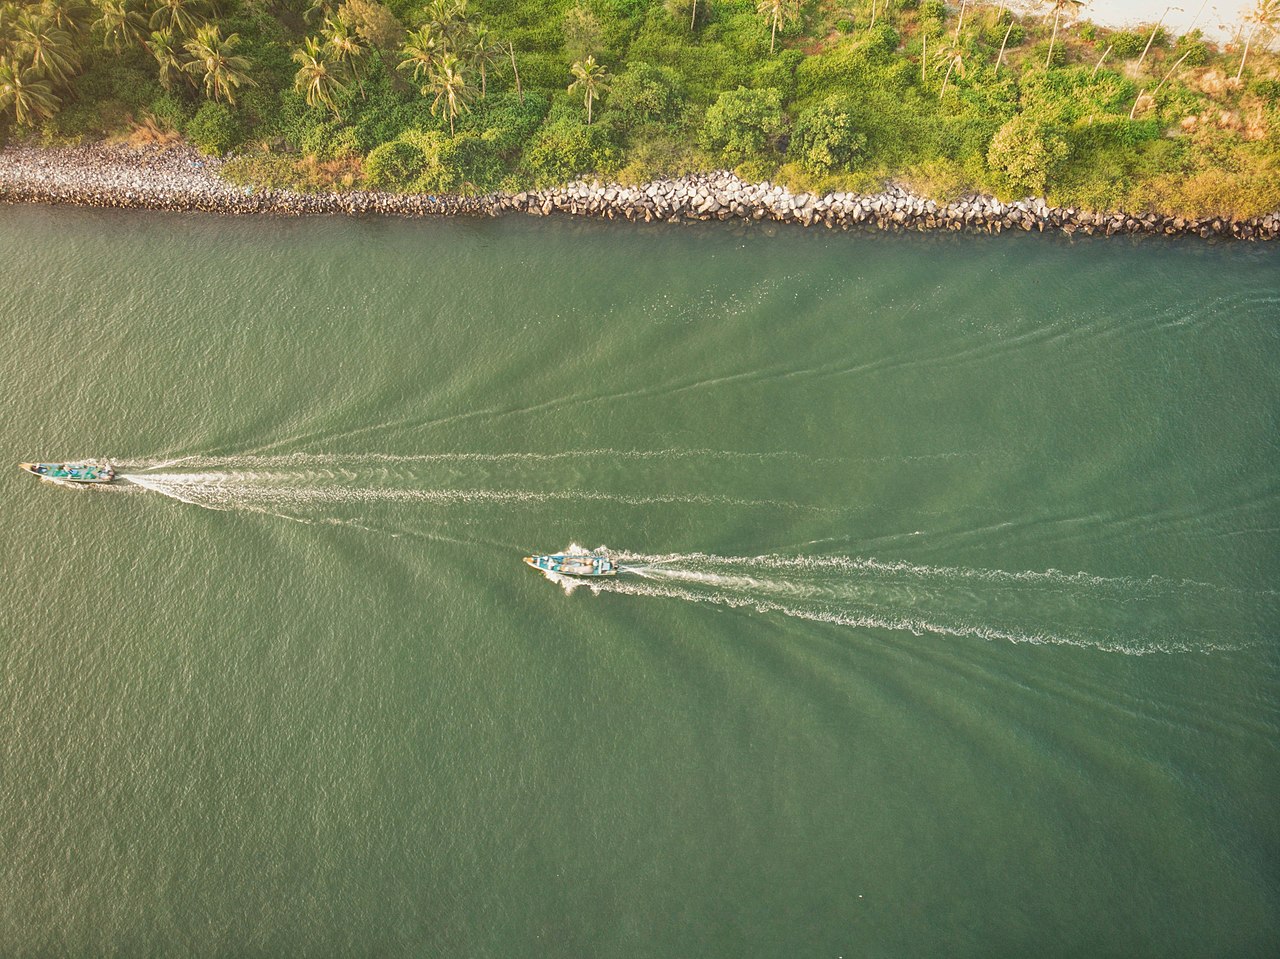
<point>91,473</point>
<point>583,565</point>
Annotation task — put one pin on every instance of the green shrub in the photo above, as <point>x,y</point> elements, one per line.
<point>170,112</point>
<point>1088,31</point>
<point>741,124</point>
<point>394,166</point>
<point>826,138</point>
<point>882,38</point>
<point>567,148</point>
<point>1040,53</point>
<point>932,10</point>
<point>779,72</point>
<point>844,25</point>
<point>214,129</point>
<point>1126,45</point>
<point>1193,47</point>
<point>645,94</point>
<point>1025,155</point>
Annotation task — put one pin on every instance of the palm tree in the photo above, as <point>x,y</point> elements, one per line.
<point>777,12</point>
<point>952,58</point>
<point>450,88</point>
<point>484,52</point>
<point>1058,6</point>
<point>165,48</point>
<point>178,16</point>
<point>1264,18</point>
<point>23,91</point>
<point>419,54</point>
<point>314,79</point>
<point>447,20</point>
<point>592,79</point>
<point>349,50</point>
<point>214,61</point>
<point>66,15</point>
<point>121,24</point>
<point>1005,41</point>
<point>47,49</point>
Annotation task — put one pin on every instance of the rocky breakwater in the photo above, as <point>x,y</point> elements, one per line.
<point>179,178</point>
<point>723,196</point>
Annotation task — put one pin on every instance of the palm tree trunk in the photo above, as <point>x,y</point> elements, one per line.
<point>519,92</point>
<point>873,15</point>
<point>1170,73</point>
<point>959,24</point>
<point>1099,63</point>
<point>950,67</point>
<point>1150,40</point>
<point>774,33</point>
<point>1134,108</point>
<point>693,17</point>
<point>1053,36</point>
<point>1247,41</point>
<point>482,89</point>
<point>1002,43</point>
<point>924,55</point>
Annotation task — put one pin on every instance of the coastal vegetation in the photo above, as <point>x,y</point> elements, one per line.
<point>442,96</point>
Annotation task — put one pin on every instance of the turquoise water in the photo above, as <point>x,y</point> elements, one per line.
<point>949,624</point>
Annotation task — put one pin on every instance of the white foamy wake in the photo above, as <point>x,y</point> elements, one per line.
<point>1135,616</point>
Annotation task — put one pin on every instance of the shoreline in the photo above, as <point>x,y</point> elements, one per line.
<point>179,179</point>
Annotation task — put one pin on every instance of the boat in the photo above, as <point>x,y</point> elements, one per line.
<point>574,564</point>
<point>88,471</point>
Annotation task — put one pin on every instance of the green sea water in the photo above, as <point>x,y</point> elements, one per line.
<point>949,623</point>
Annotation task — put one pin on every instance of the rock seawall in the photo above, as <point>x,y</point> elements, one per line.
<point>180,179</point>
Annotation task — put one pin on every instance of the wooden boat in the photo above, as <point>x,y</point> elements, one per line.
<point>88,471</point>
<point>574,564</point>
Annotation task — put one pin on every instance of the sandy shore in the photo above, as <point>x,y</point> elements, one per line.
<point>180,179</point>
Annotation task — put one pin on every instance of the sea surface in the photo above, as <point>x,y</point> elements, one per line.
<point>949,622</point>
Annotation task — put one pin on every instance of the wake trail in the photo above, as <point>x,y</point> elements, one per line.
<point>1128,615</point>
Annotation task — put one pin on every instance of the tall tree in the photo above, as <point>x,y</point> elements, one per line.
<point>450,88</point>
<point>1264,19</point>
<point>447,20</point>
<point>483,52</point>
<point>28,95</point>
<point>46,49</point>
<point>591,79</point>
<point>1058,6</point>
<point>167,51</point>
<point>120,22</point>
<point>315,80</point>
<point>177,16</point>
<point>69,15</point>
<point>349,49</point>
<point>951,57</point>
<point>215,63</point>
<point>778,12</point>
<point>419,54</point>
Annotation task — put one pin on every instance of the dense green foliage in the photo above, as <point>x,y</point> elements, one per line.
<point>422,95</point>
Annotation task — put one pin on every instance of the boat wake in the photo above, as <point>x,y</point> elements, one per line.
<point>1135,616</point>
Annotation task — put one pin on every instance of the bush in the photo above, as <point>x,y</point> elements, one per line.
<point>844,25</point>
<point>882,38</point>
<point>1025,155</point>
<point>932,10</point>
<point>1126,45</point>
<point>741,124</point>
<point>825,137</point>
<point>1194,48</point>
<point>170,112</point>
<point>214,129</point>
<point>394,166</point>
<point>645,94</point>
<point>566,149</point>
<point>1040,53</point>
